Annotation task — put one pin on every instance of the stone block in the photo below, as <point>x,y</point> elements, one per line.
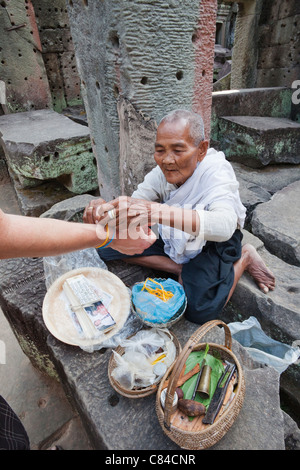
<point>258,141</point>
<point>43,145</point>
<point>269,102</point>
<point>277,223</point>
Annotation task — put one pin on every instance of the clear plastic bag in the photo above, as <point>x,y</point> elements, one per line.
<point>135,368</point>
<point>261,347</point>
<point>56,266</point>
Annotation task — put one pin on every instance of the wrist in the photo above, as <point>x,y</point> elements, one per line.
<point>157,210</point>
<point>106,236</point>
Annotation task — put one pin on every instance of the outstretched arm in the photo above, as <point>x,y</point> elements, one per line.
<point>30,236</point>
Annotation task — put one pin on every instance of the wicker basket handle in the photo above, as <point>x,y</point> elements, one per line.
<point>193,340</point>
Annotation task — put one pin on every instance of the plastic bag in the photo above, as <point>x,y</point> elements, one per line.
<point>261,347</point>
<point>135,368</point>
<point>56,266</point>
<point>153,309</point>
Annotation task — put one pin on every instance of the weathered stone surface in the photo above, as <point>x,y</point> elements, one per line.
<point>269,102</point>
<point>258,141</point>
<point>277,223</point>
<point>272,178</point>
<point>70,209</point>
<point>137,138</point>
<point>112,421</point>
<point>130,67</point>
<point>258,185</point>
<point>115,422</point>
<point>34,201</point>
<point>22,66</point>
<point>42,145</point>
<point>278,312</point>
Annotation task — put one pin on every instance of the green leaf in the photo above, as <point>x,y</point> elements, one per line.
<point>217,370</point>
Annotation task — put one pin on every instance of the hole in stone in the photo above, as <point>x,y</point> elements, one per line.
<point>3,4</point>
<point>47,159</point>
<point>179,75</point>
<point>116,91</point>
<point>82,168</point>
<point>95,161</point>
<point>115,40</point>
<point>113,400</point>
<point>194,37</point>
<point>106,149</point>
<point>98,85</point>
<point>56,154</point>
<point>203,73</point>
<point>293,290</point>
<point>144,80</point>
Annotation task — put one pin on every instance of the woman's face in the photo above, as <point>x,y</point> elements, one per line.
<point>175,152</point>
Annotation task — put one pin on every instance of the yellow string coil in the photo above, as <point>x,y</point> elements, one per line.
<point>161,293</point>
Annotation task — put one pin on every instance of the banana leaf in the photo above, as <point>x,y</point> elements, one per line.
<point>216,372</point>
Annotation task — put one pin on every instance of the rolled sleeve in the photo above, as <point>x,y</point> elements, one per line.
<point>218,223</point>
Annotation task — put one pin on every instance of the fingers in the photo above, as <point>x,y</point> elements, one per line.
<point>90,212</point>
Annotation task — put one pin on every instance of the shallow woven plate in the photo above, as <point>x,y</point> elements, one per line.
<point>58,320</point>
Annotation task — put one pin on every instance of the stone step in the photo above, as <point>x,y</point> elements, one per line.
<point>276,222</point>
<point>44,145</point>
<point>258,141</point>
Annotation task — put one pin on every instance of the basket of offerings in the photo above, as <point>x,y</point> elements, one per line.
<point>201,394</point>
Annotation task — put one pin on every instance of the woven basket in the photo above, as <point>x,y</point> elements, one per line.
<point>142,315</point>
<point>194,435</point>
<point>141,392</point>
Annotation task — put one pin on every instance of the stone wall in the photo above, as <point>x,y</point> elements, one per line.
<point>58,52</point>
<point>278,61</point>
<point>266,51</point>
<point>36,56</point>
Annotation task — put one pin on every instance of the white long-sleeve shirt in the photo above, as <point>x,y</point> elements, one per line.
<point>219,219</point>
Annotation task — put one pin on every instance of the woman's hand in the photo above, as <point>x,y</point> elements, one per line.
<point>143,239</point>
<point>90,214</point>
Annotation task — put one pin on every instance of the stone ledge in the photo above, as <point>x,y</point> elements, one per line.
<point>112,421</point>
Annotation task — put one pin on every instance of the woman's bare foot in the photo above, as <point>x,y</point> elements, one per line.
<point>256,267</point>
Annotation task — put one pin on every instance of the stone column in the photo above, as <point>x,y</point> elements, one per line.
<point>137,61</point>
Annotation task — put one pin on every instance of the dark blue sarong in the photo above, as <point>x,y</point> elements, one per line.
<point>207,278</point>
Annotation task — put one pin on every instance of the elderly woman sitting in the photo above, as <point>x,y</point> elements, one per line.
<point>192,196</point>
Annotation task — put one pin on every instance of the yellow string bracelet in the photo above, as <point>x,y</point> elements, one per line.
<point>106,239</point>
<point>161,293</point>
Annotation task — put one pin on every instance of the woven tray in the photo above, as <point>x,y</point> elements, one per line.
<point>194,434</point>
<point>141,392</point>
